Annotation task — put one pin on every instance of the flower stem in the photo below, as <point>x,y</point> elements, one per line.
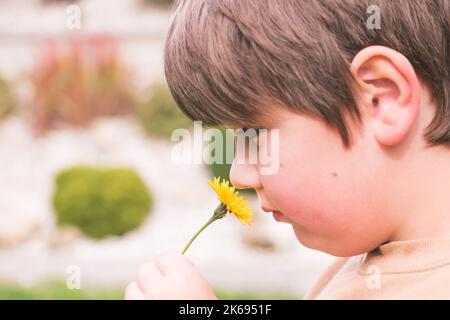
<point>211,220</point>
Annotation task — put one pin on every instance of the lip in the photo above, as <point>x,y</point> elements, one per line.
<point>265,209</point>
<point>278,216</point>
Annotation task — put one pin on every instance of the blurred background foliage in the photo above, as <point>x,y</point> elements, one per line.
<point>57,290</point>
<point>159,115</point>
<point>7,99</point>
<point>101,202</point>
<point>162,3</point>
<point>77,83</point>
<point>223,169</point>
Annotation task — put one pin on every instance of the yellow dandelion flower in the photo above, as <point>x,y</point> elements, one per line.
<point>230,201</point>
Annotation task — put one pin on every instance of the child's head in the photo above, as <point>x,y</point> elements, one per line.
<point>357,108</point>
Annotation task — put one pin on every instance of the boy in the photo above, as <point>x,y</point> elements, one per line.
<point>364,128</point>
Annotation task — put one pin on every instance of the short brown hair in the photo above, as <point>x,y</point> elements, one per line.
<point>225,59</point>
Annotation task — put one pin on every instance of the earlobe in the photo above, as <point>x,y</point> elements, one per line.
<point>391,91</point>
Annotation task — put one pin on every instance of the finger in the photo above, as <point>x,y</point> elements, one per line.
<point>133,292</point>
<point>149,276</point>
<point>173,263</point>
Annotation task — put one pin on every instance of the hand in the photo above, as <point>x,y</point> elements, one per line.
<point>171,276</point>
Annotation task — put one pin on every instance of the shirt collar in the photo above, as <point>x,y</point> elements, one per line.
<point>407,256</point>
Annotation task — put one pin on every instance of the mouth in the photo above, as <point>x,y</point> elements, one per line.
<point>277,215</point>
<point>265,209</point>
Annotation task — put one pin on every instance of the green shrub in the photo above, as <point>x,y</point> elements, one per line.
<point>159,115</point>
<point>7,100</point>
<point>101,202</point>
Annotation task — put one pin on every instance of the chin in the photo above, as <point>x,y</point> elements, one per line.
<point>306,238</point>
<point>335,248</point>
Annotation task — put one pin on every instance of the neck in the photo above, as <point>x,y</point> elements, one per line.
<point>422,197</point>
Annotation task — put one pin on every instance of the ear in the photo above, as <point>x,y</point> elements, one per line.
<point>390,90</point>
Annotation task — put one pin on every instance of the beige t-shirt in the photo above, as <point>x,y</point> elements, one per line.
<point>417,269</point>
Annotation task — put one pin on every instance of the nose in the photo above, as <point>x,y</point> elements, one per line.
<point>244,176</point>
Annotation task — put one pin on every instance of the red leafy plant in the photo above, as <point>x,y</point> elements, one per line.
<point>78,81</point>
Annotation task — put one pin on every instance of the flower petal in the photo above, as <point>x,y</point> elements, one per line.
<point>235,204</point>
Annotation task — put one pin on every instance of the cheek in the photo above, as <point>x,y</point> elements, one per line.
<point>323,216</point>
<point>319,194</point>
<point>328,208</point>
<point>326,191</point>
<point>305,199</point>
<point>304,179</point>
